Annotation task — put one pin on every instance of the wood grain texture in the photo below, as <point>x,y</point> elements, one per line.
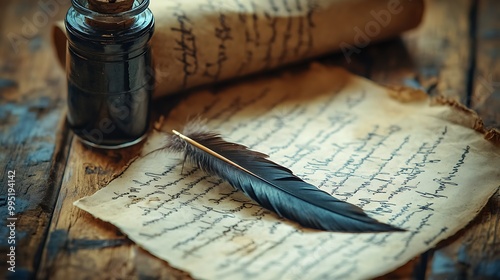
<point>455,52</point>
<point>440,50</point>
<point>448,61</point>
<point>474,253</point>
<point>446,55</point>
<point>32,135</point>
<point>485,97</point>
<point>80,246</point>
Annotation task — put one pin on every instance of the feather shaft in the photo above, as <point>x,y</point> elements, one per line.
<point>271,185</point>
<point>205,149</point>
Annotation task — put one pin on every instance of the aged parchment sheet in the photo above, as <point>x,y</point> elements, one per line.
<point>410,164</point>
<point>200,42</point>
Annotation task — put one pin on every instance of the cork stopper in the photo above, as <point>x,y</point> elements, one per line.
<point>110,7</point>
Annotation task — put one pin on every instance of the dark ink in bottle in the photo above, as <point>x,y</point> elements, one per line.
<point>109,70</point>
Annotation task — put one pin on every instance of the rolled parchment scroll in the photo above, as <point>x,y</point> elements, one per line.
<point>200,42</point>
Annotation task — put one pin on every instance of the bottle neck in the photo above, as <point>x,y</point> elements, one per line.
<point>107,14</point>
<point>87,38</point>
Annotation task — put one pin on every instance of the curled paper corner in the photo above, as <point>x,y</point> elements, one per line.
<point>464,116</point>
<point>406,94</point>
<point>461,114</point>
<point>493,135</point>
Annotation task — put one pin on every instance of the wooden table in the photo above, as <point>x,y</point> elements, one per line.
<point>455,52</point>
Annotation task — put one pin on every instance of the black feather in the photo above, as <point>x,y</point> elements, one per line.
<point>271,185</point>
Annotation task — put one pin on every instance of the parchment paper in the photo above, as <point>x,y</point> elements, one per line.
<point>412,164</point>
<point>204,41</point>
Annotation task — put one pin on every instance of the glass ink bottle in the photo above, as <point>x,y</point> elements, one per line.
<point>109,71</point>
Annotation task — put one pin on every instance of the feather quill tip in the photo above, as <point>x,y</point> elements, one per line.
<point>271,185</point>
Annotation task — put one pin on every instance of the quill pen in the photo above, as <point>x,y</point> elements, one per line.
<point>271,185</point>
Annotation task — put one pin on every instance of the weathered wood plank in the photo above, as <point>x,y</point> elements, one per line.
<point>79,246</point>
<point>441,49</point>
<point>439,58</point>
<point>434,57</point>
<point>486,88</point>
<point>474,253</point>
<point>32,138</point>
